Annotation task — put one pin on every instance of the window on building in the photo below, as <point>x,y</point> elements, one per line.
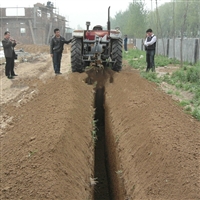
<point>22,30</point>
<point>39,13</point>
<point>56,18</point>
<point>15,11</point>
<point>48,15</point>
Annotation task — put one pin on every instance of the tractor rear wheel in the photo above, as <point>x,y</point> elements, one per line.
<point>76,55</point>
<point>117,54</point>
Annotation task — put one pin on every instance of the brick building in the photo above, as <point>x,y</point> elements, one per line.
<point>31,25</point>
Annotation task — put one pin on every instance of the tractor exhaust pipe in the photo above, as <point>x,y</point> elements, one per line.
<point>87,25</point>
<point>108,24</point>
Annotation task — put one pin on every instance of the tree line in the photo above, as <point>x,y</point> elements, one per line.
<point>172,19</point>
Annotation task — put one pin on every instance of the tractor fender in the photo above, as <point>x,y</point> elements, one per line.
<point>115,35</point>
<point>78,33</point>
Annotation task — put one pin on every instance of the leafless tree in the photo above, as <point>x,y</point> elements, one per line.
<point>159,24</point>
<point>174,34</point>
<point>183,28</point>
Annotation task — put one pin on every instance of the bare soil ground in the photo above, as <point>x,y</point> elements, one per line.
<point>47,149</point>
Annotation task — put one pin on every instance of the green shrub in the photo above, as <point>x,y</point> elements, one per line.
<point>196,113</point>
<point>193,75</point>
<point>188,109</point>
<point>186,78</point>
<point>184,103</point>
<point>151,76</point>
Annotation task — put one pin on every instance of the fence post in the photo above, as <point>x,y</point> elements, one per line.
<point>167,50</point>
<point>196,51</point>
<point>142,46</point>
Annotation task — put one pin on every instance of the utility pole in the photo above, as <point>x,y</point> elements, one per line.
<point>183,28</point>
<point>174,30</point>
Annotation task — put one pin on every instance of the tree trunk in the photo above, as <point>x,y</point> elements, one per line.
<point>159,23</point>
<point>182,31</point>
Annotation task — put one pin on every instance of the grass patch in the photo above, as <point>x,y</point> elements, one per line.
<point>186,78</point>
<point>184,103</point>
<point>94,131</point>
<point>196,113</point>
<point>188,109</point>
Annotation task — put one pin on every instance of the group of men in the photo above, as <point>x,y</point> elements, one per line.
<point>56,48</point>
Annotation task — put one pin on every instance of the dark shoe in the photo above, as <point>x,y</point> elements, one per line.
<point>58,73</point>
<point>10,77</point>
<point>14,75</point>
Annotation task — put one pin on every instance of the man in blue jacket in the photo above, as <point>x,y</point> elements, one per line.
<point>56,49</point>
<point>150,47</point>
<point>8,47</point>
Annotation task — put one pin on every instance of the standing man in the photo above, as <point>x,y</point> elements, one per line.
<point>8,47</point>
<point>150,47</point>
<point>56,49</point>
<point>125,43</point>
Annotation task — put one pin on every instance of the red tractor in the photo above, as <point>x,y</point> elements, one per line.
<point>96,48</point>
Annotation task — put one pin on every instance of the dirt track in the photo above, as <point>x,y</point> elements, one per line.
<point>47,150</point>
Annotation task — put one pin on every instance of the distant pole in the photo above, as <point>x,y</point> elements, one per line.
<point>1,25</point>
<point>159,24</point>
<point>174,30</point>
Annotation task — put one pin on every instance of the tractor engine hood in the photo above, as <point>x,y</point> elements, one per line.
<point>114,34</point>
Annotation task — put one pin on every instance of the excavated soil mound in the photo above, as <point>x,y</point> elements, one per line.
<point>47,147</point>
<point>156,144</point>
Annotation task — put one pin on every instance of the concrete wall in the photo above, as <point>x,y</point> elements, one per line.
<point>139,44</point>
<point>38,23</point>
<point>159,47</point>
<point>190,47</point>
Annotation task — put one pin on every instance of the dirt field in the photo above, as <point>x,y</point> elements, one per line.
<point>147,147</point>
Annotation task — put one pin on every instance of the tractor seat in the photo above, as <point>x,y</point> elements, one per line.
<point>98,28</point>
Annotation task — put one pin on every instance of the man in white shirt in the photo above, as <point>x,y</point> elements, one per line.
<point>150,47</point>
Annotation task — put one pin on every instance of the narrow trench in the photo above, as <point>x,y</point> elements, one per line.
<point>101,189</point>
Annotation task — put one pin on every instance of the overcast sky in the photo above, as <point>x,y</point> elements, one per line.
<point>80,11</point>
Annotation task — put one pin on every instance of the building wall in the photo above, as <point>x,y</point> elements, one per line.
<point>35,27</point>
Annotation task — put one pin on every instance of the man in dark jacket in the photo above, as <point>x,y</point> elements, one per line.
<point>8,46</point>
<point>56,49</point>
<point>150,47</point>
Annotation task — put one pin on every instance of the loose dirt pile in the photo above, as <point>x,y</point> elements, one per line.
<point>47,151</point>
<point>47,147</point>
<point>156,143</point>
